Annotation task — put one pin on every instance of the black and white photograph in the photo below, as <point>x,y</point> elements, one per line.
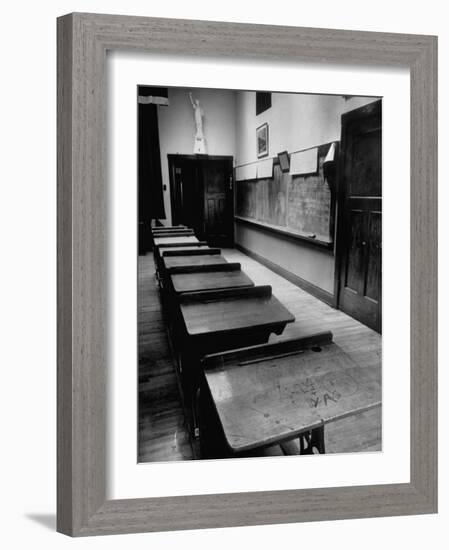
<point>259,274</point>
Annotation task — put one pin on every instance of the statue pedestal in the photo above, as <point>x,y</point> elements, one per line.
<point>199,146</point>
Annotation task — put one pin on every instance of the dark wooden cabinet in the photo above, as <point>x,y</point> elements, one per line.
<point>201,196</point>
<point>359,238</point>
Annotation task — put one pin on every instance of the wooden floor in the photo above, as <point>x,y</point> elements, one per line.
<point>162,436</point>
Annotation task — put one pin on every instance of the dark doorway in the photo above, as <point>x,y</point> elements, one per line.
<point>151,199</point>
<point>359,237</point>
<point>201,196</point>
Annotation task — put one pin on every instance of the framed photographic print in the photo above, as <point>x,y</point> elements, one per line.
<point>262,140</point>
<point>264,315</point>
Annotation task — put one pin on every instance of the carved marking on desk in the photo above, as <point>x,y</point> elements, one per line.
<point>313,402</point>
<point>340,383</point>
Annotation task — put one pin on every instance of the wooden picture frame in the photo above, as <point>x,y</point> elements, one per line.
<point>262,141</point>
<point>83,40</point>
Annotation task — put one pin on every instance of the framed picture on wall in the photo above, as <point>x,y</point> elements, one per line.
<point>219,310</point>
<point>262,140</point>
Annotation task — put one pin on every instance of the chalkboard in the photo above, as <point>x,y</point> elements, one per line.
<point>298,204</point>
<point>263,200</point>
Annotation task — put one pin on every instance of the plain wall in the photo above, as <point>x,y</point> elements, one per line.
<point>177,128</point>
<point>309,263</point>
<point>295,122</point>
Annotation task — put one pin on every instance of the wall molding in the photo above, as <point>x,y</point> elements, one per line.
<point>324,246</point>
<point>323,295</point>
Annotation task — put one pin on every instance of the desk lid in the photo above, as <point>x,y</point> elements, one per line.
<point>263,400</point>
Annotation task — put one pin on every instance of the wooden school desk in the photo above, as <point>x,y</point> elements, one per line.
<point>168,228</point>
<point>196,249</point>
<point>179,226</point>
<point>175,240</point>
<point>156,230</point>
<point>200,247</point>
<point>216,277</point>
<point>226,319</point>
<point>172,233</point>
<point>189,263</point>
<point>279,393</point>
<point>192,262</point>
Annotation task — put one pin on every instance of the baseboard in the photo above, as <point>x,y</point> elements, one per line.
<point>312,289</point>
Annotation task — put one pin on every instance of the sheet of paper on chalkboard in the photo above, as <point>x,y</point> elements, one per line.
<point>246,172</point>
<point>239,173</point>
<point>330,157</point>
<point>304,162</point>
<point>265,169</point>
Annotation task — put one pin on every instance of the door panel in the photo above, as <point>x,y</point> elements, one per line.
<point>218,200</point>
<point>355,258</point>
<point>366,170</point>
<point>374,264</point>
<point>359,238</point>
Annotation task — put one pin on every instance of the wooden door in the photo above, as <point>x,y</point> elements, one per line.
<point>359,238</point>
<point>201,196</point>
<point>218,201</point>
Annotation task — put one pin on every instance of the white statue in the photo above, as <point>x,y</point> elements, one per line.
<point>199,145</point>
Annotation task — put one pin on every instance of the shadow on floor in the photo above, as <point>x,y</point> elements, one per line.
<point>46,520</point>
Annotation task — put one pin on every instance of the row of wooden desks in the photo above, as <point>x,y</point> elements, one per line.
<point>241,393</point>
<point>211,305</point>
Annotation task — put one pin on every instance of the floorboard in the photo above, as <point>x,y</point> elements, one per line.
<point>162,434</point>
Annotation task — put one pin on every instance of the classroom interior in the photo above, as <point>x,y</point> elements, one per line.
<point>259,274</point>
